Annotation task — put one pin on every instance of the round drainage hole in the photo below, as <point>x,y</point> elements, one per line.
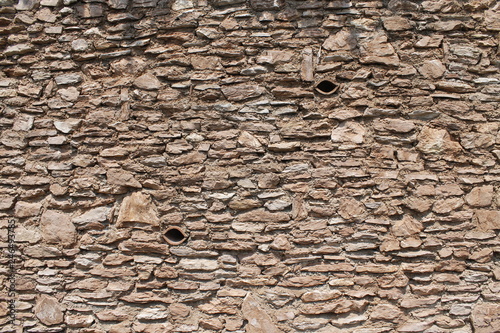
<point>175,236</point>
<point>326,87</point>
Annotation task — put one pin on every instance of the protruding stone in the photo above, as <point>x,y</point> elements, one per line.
<point>344,40</point>
<point>433,69</point>
<point>407,226</point>
<point>138,208</point>
<point>258,316</point>
<point>49,311</point>
<point>147,82</point>
<point>436,141</point>
<point>348,132</point>
<point>57,228</point>
<point>480,196</point>
<point>487,219</point>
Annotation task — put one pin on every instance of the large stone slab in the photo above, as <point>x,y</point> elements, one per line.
<point>49,311</point>
<point>486,318</point>
<point>57,228</point>
<point>138,208</point>
<point>257,315</point>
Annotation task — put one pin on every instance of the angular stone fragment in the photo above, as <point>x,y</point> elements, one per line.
<point>436,141</point>
<point>377,50</point>
<point>6,202</point>
<point>419,326</point>
<point>344,40</point>
<point>261,215</point>
<point>266,4</point>
<point>57,228</point>
<point>153,313</point>
<point>138,207</point>
<point>122,178</point>
<point>199,264</point>
<point>491,18</point>
<point>320,295</point>
<point>304,281</point>
<point>243,91</point>
<point>485,317</point>
<point>258,316</point>
<point>340,306</point>
<point>407,226</point>
<point>190,158</point>
<point>49,311</point>
<point>273,57</point>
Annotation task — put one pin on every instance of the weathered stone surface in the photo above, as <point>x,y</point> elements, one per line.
<point>57,228</point>
<point>257,316</point>
<point>49,311</point>
<point>122,178</point>
<point>407,226</point>
<point>147,82</point>
<point>480,196</point>
<point>241,92</point>
<point>138,207</point>
<point>433,69</point>
<point>377,50</point>
<point>487,219</point>
<point>436,141</point>
<point>348,132</point>
<point>344,40</point>
<point>385,312</point>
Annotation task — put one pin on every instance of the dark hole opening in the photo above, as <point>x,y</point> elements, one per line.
<point>326,86</point>
<point>175,235</point>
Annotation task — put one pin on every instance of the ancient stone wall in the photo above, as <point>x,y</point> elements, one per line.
<point>250,166</point>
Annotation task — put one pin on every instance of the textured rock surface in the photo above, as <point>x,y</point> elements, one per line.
<point>375,208</point>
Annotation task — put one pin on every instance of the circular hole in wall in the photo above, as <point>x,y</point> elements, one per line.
<point>174,235</point>
<point>326,87</point>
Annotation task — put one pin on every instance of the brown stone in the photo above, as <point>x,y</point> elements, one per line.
<point>396,23</point>
<point>49,311</point>
<point>480,196</point>
<point>351,209</point>
<point>241,92</point>
<point>138,207</point>
<point>57,228</point>
<point>385,312</point>
<point>304,281</point>
<point>407,226</point>
<point>258,316</point>
<point>487,219</point>
<point>122,178</point>
<point>436,141</point>
<point>433,69</point>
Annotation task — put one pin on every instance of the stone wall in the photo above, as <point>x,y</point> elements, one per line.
<point>333,165</point>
